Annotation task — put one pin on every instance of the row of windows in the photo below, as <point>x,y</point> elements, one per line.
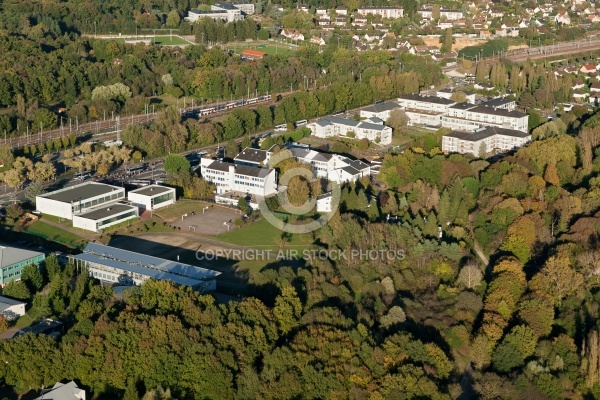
<point>106,277</point>
<point>78,206</point>
<point>116,218</point>
<point>247,184</point>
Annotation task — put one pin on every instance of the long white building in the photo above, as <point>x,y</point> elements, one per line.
<point>467,117</point>
<point>382,11</point>
<point>489,140</point>
<point>224,11</point>
<point>229,177</point>
<point>328,127</point>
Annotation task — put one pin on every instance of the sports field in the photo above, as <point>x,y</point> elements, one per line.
<point>269,48</point>
<point>165,40</point>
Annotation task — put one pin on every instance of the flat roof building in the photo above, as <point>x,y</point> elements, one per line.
<point>252,157</point>
<point>11,309</point>
<point>64,203</point>
<point>152,197</point>
<point>114,265</point>
<point>484,141</point>
<point>13,260</point>
<point>100,218</point>
<point>229,177</point>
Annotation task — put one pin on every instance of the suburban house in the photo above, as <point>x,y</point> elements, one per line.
<point>63,391</point>
<point>13,260</point>
<point>588,69</point>
<point>595,87</point>
<point>228,177</point>
<point>486,140</point>
<point>562,18</point>
<point>325,203</point>
<point>114,265</point>
<point>373,130</point>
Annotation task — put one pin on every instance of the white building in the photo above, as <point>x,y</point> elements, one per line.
<point>383,11</point>
<point>244,6</point>
<point>252,157</point>
<point>325,203</point>
<point>100,218</point>
<point>229,177</point>
<point>503,103</point>
<point>490,139</point>
<point>451,15</point>
<point>333,167</point>
<point>63,391</point>
<point>379,110</point>
<point>467,117</point>
<point>65,203</point>
<point>448,92</point>
<point>328,127</point>
<point>114,265</point>
<point>11,309</point>
<point>229,14</point>
<point>425,103</point>
<point>152,197</point>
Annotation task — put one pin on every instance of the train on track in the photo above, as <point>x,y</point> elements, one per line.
<point>233,104</point>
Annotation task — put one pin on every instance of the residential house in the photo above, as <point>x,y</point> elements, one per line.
<point>595,87</point>
<point>451,15</point>
<point>292,34</point>
<point>303,7</point>
<point>387,12</point>
<point>327,127</point>
<point>588,69</point>
<point>341,11</point>
<point>562,18</point>
<point>325,203</point>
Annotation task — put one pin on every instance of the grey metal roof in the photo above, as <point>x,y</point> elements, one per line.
<point>14,255</point>
<point>498,102</point>
<point>154,267</point>
<point>252,155</point>
<point>105,211</point>
<point>380,107</point>
<point>5,303</point>
<point>252,171</point>
<point>350,170</point>
<point>369,125</point>
<point>428,99</point>
<point>324,195</point>
<point>152,190</point>
<point>485,133</point>
<point>219,166</point>
<point>82,191</point>
<point>226,6</point>
<point>62,391</point>
<point>463,106</point>
<point>497,111</point>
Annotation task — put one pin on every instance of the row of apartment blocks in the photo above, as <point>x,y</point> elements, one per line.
<point>251,173</point>
<point>495,123</point>
<point>225,11</point>
<point>371,129</point>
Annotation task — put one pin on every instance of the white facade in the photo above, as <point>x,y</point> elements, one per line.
<point>11,309</point>
<point>447,94</point>
<point>65,203</point>
<point>328,127</point>
<point>216,13</point>
<point>383,12</point>
<point>426,103</point>
<point>324,203</point>
<point>152,197</point>
<point>492,139</point>
<point>451,15</point>
<point>239,178</point>
<point>380,110</point>
<point>473,118</point>
<point>104,217</point>
<point>424,118</point>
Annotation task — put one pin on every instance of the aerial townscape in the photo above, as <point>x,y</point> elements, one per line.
<point>248,199</point>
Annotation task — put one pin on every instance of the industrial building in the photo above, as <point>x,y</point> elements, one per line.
<point>11,309</point>
<point>13,260</point>
<point>100,218</point>
<point>114,265</point>
<point>152,197</point>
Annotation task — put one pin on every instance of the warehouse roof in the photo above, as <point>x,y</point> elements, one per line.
<point>13,255</point>
<point>105,211</point>
<point>152,190</point>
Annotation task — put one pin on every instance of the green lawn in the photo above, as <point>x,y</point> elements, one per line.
<point>32,315</point>
<point>261,234</point>
<point>54,233</point>
<point>264,47</point>
<point>159,40</point>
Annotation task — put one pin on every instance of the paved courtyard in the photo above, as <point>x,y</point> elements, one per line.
<point>213,221</point>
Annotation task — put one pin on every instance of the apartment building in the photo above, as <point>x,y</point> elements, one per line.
<point>383,11</point>
<point>373,130</point>
<point>425,103</point>
<point>218,11</point>
<point>488,140</point>
<point>228,177</point>
<point>467,117</point>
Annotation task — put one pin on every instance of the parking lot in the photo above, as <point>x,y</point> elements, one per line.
<point>214,221</point>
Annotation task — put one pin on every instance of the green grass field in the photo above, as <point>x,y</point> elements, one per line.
<point>166,40</point>
<point>56,234</point>
<point>268,48</point>
<point>262,235</point>
<point>181,207</point>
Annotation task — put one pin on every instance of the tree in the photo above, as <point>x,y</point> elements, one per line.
<point>446,40</point>
<point>173,19</point>
<point>298,191</point>
<point>3,323</point>
<point>13,178</point>
<point>44,118</point>
<point>394,316</point>
<point>557,279</point>
<point>52,267</point>
<point>32,277</point>
<point>177,166</point>
<point>263,34</point>
<point>231,149</point>
<point>551,175</point>
<point>397,120</point>
<point>470,276</point>
<point>6,155</point>
<point>288,309</point>
<point>17,290</point>
<point>33,190</point>
<point>459,96</point>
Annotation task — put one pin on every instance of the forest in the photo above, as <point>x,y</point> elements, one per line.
<point>504,305</point>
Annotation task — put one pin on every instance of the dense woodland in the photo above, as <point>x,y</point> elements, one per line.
<point>436,323</point>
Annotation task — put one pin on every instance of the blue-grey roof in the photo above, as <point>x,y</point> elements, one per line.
<point>154,267</point>
<point>14,255</point>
